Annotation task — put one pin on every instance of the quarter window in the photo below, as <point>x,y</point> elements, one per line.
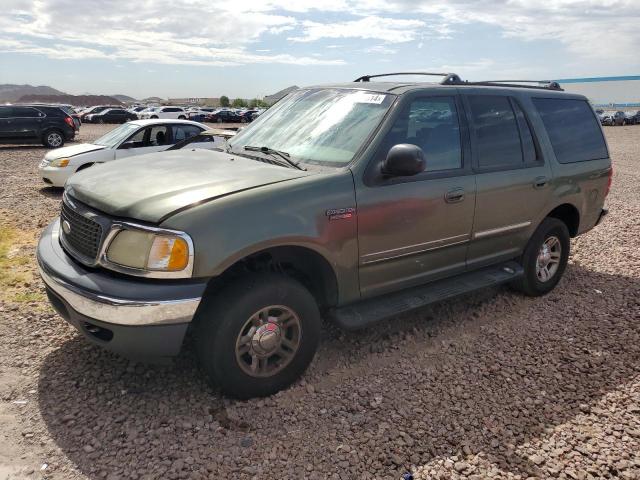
<point>431,123</point>
<point>573,130</point>
<point>497,139</point>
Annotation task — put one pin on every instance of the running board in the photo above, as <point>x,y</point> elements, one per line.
<point>363,313</point>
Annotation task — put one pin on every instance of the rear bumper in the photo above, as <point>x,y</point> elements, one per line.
<point>136,318</point>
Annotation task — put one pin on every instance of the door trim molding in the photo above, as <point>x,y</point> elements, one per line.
<point>500,230</point>
<point>407,250</point>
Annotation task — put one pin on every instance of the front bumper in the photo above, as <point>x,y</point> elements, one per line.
<point>134,317</point>
<point>55,176</point>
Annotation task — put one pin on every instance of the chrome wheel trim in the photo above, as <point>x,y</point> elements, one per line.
<point>548,259</point>
<point>54,139</point>
<point>268,341</point>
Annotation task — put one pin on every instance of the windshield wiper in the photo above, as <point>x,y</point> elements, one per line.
<point>284,155</point>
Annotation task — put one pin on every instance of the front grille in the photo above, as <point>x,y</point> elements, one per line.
<point>84,234</point>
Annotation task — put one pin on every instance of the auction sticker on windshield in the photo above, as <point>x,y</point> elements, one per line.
<point>370,98</point>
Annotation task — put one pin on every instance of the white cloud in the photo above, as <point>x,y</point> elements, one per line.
<point>389,30</point>
<point>381,49</point>
<point>221,32</point>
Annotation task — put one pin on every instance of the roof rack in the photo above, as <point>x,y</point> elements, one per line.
<point>449,78</point>
<point>541,84</point>
<point>454,79</point>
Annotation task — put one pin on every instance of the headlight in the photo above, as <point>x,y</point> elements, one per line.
<point>151,251</point>
<point>60,162</point>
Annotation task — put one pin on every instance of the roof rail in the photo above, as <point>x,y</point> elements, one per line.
<point>541,84</point>
<point>449,78</point>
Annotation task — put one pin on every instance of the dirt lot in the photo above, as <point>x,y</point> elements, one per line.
<point>489,386</point>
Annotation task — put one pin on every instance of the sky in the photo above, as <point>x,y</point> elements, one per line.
<point>252,48</point>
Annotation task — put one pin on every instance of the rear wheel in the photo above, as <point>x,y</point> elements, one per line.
<point>53,139</point>
<point>181,117</point>
<point>257,335</point>
<point>545,258</point>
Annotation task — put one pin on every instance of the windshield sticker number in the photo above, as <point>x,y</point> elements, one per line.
<point>370,98</point>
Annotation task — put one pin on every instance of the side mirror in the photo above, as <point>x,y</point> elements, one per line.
<point>404,160</point>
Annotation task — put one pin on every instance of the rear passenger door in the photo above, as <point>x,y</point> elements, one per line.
<point>512,178</point>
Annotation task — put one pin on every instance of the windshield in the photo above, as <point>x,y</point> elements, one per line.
<point>322,126</point>
<point>117,135</point>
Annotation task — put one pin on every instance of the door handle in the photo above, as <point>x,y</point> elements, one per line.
<point>540,182</point>
<point>454,195</point>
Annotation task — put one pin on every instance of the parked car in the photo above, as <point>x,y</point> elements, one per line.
<point>632,118</point>
<point>224,116</point>
<point>94,110</point>
<point>164,112</point>
<point>132,138</point>
<point>607,119</point>
<point>334,204</point>
<point>618,118</point>
<point>111,115</point>
<point>247,116</point>
<point>49,125</point>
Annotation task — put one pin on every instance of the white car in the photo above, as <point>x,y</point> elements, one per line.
<point>133,138</point>
<point>164,112</point>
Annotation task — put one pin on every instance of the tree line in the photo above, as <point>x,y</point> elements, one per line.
<point>242,103</point>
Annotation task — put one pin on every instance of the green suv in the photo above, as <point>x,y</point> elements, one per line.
<point>350,202</point>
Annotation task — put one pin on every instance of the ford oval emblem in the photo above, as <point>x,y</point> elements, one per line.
<point>66,227</point>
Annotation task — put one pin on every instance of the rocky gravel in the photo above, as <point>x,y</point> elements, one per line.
<point>492,385</point>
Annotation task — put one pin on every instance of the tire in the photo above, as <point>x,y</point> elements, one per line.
<point>101,121</point>
<point>229,313</point>
<point>219,120</point>
<point>181,117</point>
<point>53,139</point>
<point>154,116</point>
<point>243,120</point>
<point>533,283</point>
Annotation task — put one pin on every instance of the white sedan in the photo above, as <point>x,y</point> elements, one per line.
<point>164,112</point>
<point>132,138</point>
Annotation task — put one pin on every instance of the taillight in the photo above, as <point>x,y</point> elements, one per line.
<point>609,181</point>
<point>69,121</point>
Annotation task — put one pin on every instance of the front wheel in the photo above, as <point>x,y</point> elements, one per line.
<point>545,258</point>
<point>257,335</point>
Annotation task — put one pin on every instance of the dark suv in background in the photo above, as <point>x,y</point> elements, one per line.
<point>49,125</point>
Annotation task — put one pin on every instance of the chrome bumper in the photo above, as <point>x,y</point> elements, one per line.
<point>65,278</point>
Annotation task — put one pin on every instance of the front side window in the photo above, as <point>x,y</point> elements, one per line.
<point>497,139</point>
<point>573,129</point>
<point>319,126</point>
<point>432,124</point>
<point>159,136</point>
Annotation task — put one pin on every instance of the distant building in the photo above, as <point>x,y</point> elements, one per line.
<point>618,92</point>
<point>198,101</point>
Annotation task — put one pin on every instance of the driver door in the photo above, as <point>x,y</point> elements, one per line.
<point>416,229</point>
<point>146,140</point>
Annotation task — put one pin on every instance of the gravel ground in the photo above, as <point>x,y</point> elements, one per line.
<point>493,385</point>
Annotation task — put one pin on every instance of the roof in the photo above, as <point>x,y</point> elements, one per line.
<point>155,121</point>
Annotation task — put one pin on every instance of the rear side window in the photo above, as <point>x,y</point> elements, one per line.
<point>180,132</point>
<point>496,132</point>
<point>572,128</point>
<point>25,112</point>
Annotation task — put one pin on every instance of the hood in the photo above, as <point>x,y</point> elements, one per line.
<point>72,151</point>
<point>151,187</point>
